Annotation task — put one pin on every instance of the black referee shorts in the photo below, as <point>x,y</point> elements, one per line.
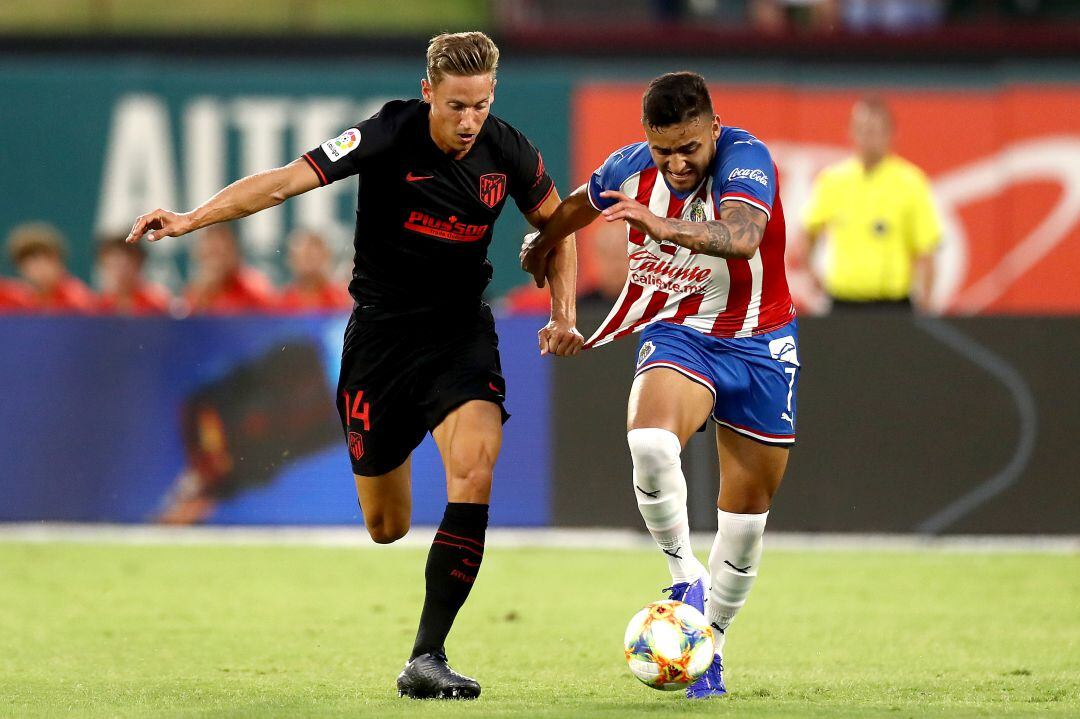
<point>400,378</point>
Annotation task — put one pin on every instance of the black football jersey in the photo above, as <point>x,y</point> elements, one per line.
<point>423,219</point>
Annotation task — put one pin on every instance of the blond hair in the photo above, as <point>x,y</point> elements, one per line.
<point>461,53</point>
<point>35,238</point>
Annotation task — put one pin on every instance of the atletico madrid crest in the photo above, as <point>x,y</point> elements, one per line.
<point>356,445</point>
<point>492,188</point>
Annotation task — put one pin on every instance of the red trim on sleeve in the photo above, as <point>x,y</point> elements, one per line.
<point>318,171</point>
<point>748,199</point>
<point>541,202</point>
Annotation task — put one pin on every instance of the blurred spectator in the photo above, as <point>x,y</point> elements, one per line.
<point>313,288</point>
<point>779,16</point>
<point>878,213</point>
<point>611,262</point>
<point>606,247</point>
<point>220,283</point>
<point>14,296</point>
<point>38,251</point>
<point>895,16</point>
<point>123,288</point>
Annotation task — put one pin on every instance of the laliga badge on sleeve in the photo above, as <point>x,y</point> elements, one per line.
<point>341,145</point>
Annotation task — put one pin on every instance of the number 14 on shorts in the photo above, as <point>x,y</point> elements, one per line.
<point>356,409</point>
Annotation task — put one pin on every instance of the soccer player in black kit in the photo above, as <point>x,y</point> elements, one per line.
<point>420,350</point>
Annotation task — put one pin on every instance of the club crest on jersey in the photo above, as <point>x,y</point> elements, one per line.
<point>646,351</point>
<point>492,188</point>
<point>356,445</point>
<point>783,349</point>
<point>341,145</point>
<point>697,210</point>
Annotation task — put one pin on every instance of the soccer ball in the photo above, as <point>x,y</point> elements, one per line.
<point>668,645</point>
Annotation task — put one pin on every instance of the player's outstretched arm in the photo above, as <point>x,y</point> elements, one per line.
<point>735,234</point>
<point>560,336</point>
<point>557,227</point>
<point>240,199</point>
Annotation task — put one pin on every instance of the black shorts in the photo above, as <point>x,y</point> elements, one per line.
<point>399,380</point>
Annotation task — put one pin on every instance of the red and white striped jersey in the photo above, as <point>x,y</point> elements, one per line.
<point>668,283</point>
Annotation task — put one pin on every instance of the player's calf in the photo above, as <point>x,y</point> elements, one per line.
<point>660,490</point>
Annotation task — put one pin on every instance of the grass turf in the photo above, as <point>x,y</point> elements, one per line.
<point>119,631</point>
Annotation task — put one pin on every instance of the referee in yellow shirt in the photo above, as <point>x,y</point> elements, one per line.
<point>879,217</point>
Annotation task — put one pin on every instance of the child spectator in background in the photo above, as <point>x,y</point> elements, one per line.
<point>123,288</point>
<point>220,283</point>
<point>313,288</point>
<point>38,251</point>
<point>14,296</point>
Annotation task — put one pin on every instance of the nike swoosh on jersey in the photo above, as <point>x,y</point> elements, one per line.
<point>416,178</point>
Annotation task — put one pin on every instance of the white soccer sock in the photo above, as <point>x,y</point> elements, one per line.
<point>660,489</point>
<point>733,563</point>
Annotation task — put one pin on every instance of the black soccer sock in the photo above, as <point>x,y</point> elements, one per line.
<point>452,565</point>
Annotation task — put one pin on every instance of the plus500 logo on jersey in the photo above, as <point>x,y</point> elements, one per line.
<point>341,145</point>
<point>449,229</point>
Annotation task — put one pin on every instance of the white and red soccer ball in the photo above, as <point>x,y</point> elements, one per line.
<point>669,645</point>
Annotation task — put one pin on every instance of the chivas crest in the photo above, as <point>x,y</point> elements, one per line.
<point>697,210</point>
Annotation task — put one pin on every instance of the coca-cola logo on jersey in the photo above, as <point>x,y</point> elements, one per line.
<point>748,173</point>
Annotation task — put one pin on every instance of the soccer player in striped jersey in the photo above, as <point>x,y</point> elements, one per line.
<point>707,290</point>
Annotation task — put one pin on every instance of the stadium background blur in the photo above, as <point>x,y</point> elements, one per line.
<point>216,407</point>
<point>959,420</point>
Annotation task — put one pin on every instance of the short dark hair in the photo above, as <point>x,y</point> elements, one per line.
<point>118,243</point>
<point>675,98</point>
<point>877,105</point>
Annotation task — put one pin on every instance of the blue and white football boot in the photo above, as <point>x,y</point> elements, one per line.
<point>692,593</point>
<point>711,683</point>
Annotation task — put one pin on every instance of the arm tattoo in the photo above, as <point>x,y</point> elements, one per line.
<point>736,234</point>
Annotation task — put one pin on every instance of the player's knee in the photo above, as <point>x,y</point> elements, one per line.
<point>472,484</point>
<point>755,502</point>
<point>653,450</point>
<point>385,530</point>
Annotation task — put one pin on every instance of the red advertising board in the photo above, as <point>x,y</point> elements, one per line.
<point>1004,163</point>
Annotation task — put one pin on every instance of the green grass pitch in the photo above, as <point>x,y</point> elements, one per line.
<point>99,630</point>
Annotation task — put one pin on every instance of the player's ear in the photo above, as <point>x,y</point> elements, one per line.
<point>715,128</point>
<point>491,97</point>
<point>425,90</point>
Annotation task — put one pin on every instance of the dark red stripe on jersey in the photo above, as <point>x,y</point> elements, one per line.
<point>459,546</point>
<point>318,171</point>
<point>688,307</point>
<point>633,292</point>
<point>731,319</point>
<point>776,307</point>
<point>646,180</point>
<point>656,303</point>
<point>464,539</point>
<point>541,202</point>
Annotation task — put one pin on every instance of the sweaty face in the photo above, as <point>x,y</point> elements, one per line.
<point>459,106</point>
<point>871,133</point>
<point>684,152</point>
